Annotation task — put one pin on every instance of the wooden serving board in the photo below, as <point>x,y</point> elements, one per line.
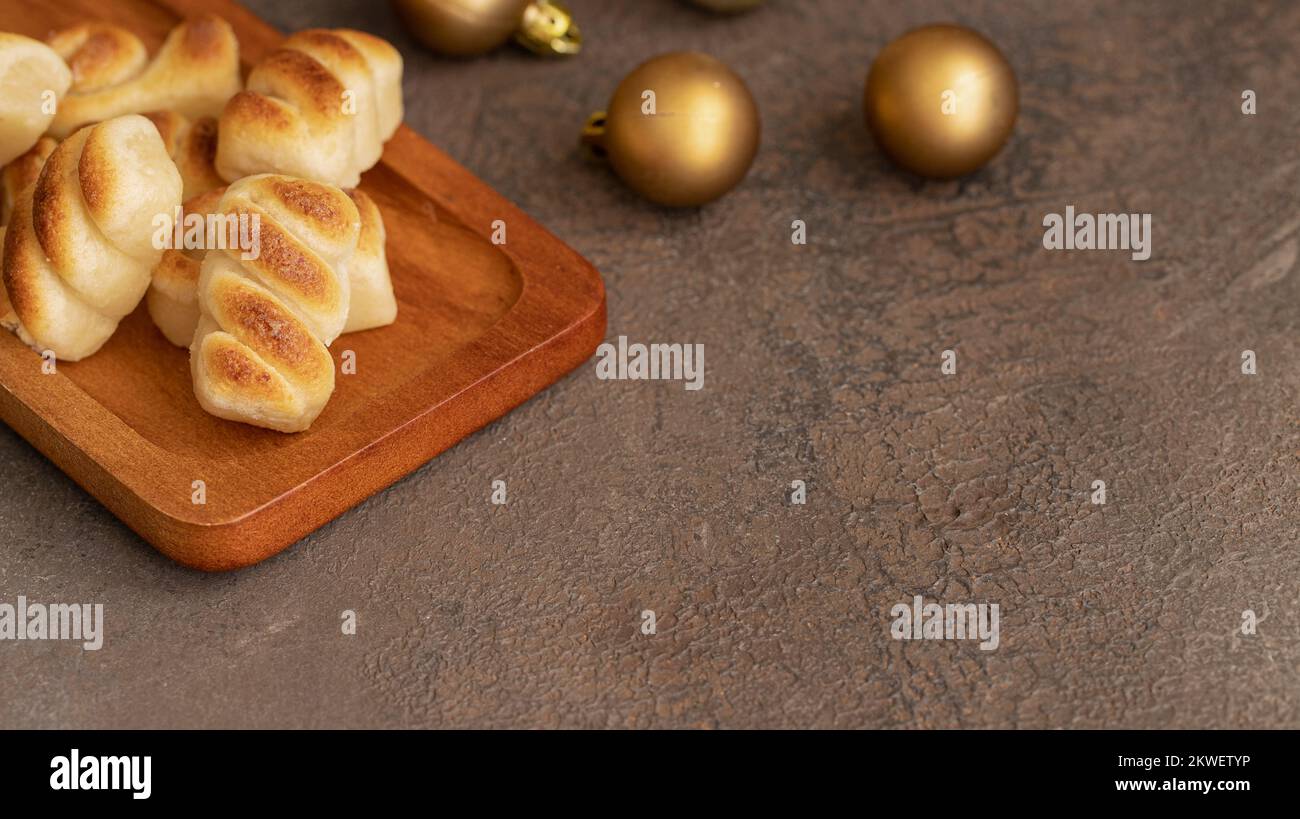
<point>480,329</point>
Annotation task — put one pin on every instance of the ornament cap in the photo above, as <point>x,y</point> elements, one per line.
<point>593,133</point>
<point>548,29</point>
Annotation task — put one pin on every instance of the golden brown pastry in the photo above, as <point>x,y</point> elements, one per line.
<point>194,73</point>
<point>22,172</point>
<point>319,107</point>
<point>172,299</point>
<point>173,295</point>
<point>259,353</point>
<point>81,243</point>
<point>372,304</point>
<point>192,145</point>
<point>33,79</point>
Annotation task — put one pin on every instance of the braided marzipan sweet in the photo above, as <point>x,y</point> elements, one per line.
<point>21,173</point>
<point>173,295</point>
<point>320,107</point>
<point>83,240</point>
<point>194,73</point>
<point>33,78</point>
<point>259,352</point>
<point>172,299</point>
<point>192,145</point>
<point>373,303</point>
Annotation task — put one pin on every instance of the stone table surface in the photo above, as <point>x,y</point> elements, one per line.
<point>823,365</point>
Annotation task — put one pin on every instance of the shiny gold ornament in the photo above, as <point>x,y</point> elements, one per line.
<point>681,130</point>
<point>941,100</point>
<point>727,6</point>
<point>467,28</point>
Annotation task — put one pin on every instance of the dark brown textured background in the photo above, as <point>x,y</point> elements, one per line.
<point>822,364</point>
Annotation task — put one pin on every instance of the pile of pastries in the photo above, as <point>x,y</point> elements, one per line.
<point>109,155</point>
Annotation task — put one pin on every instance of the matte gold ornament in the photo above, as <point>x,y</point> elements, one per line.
<point>727,6</point>
<point>681,129</point>
<point>467,28</point>
<point>941,100</point>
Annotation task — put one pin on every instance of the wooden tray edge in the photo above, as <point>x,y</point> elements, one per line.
<point>275,526</point>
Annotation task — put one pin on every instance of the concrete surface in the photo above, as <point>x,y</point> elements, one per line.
<point>822,365</point>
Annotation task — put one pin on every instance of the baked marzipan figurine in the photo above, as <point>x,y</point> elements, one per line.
<point>21,173</point>
<point>192,145</point>
<point>81,244</point>
<point>194,73</point>
<point>173,296</point>
<point>33,79</point>
<point>266,317</point>
<point>319,107</point>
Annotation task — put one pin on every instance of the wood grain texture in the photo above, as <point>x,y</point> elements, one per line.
<point>480,329</point>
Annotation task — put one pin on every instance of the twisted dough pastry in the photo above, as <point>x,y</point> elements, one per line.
<point>319,107</point>
<point>192,145</point>
<point>28,69</point>
<point>372,304</point>
<point>16,177</point>
<point>193,74</point>
<point>173,295</point>
<point>259,353</point>
<point>173,300</point>
<point>80,246</point>
<point>23,172</point>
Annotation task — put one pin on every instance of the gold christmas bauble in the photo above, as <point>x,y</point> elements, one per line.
<point>467,28</point>
<point>941,100</point>
<point>681,129</point>
<point>727,6</point>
